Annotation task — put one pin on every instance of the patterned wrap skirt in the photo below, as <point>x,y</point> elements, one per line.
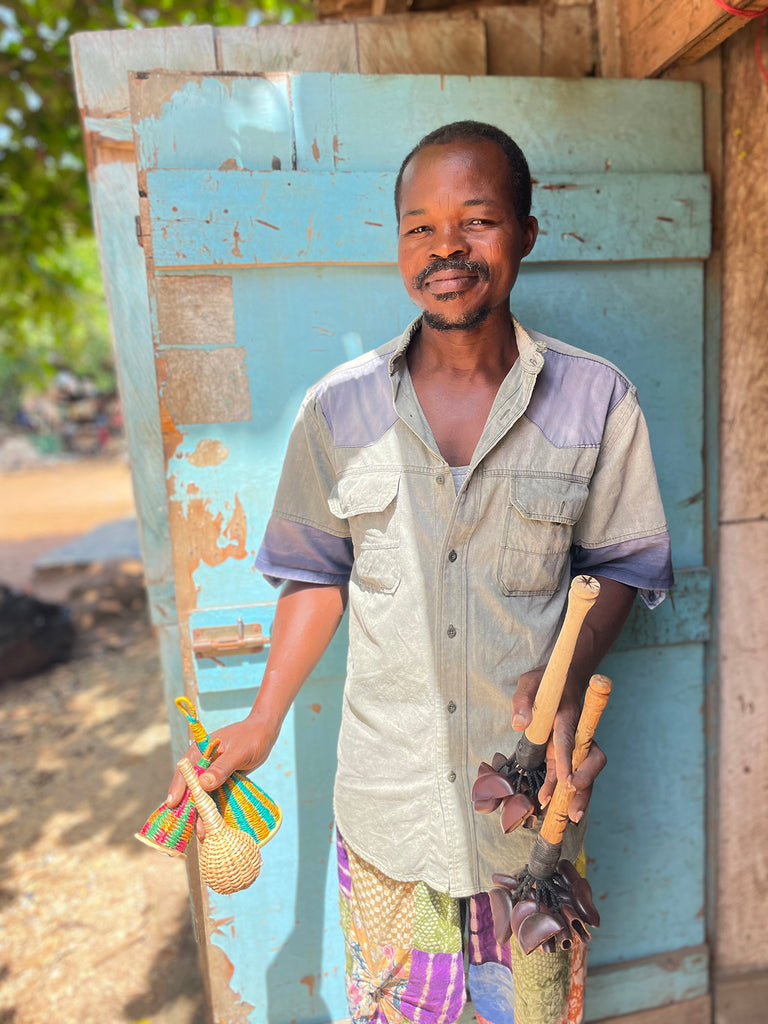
<point>411,954</point>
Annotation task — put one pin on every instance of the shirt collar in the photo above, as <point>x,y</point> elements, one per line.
<point>530,351</point>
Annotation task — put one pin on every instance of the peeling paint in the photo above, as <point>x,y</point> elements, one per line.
<point>316,151</point>
<point>208,452</point>
<point>200,536</point>
<point>309,981</point>
<point>172,437</point>
<point>316,708</point>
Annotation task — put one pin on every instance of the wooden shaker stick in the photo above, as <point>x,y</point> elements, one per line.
<point>595,701</point>
<point>584,590</point>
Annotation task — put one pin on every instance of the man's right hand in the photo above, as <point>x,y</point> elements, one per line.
<point>243,746</point>
<point>306,618</point>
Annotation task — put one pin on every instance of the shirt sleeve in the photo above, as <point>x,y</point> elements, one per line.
<point>622,533</point>
<point>304,541</point>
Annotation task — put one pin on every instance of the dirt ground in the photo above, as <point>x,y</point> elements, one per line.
<point>94,927</point>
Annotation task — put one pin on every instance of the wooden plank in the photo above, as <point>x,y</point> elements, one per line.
<point>102,61</point>
<point>744,528</point>
<point>566,41</point>
<point>658,33</point>
<point>683,618</point>
<point>248,120</point>
<point>678,977</point>
<point>742,999</point>
<point>625,111</point>
<point>195,310</point>
<point>610,57</point>
<point>513,40</point>
<point>202,386</point>
<point>709,72</point>
<point>433,44</point>
<point>303,218</point>
<point>692,1011</point>
<point>315,46</point>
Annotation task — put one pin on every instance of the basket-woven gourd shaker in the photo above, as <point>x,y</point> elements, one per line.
<point>230,859</point>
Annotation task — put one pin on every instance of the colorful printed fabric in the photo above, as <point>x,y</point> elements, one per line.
<point>405,957</point>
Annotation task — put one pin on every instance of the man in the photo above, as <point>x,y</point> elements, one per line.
<point>450,483</point>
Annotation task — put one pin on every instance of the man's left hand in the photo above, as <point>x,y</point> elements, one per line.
<point>560,746</point>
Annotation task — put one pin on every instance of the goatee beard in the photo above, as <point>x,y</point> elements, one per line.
<point>439,322</point>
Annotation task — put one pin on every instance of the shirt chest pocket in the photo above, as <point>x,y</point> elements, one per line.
<point>368,501</point>
<point>536,538</point>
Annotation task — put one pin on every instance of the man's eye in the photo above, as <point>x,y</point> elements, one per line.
<point>419,230</point>
<point>479,220</point>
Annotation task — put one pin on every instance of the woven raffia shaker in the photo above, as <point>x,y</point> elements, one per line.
<point>239,817</point>
<point>240,802</point>
<point>229,857</point>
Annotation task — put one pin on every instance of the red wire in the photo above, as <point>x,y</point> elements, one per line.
<point>739,13</point>
<point>758,49</point>
<point>758,35</point>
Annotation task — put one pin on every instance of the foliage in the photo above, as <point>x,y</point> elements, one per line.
<point>50,299</point>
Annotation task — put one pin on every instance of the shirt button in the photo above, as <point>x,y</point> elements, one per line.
<point>440,479</point>
<point>451,706</point>
<point>452,556</point>
<point>451,631</point>
<point>451,776</point>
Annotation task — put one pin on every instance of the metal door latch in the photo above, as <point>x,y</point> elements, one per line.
<point>242,638</point>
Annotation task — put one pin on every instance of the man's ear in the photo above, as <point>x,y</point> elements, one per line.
<point>530,234</point>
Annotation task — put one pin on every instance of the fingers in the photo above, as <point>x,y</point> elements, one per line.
<point>563,734</point>
<point>522,701</point>
<point>548,786</point>
<point>178,785</point>
<point>583,779</point>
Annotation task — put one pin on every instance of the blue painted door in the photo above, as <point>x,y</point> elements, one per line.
<point>268,227</point>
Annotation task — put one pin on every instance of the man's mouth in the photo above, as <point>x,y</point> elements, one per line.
<point>450,275</point>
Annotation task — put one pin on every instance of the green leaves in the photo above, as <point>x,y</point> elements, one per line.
<point>51,299</point>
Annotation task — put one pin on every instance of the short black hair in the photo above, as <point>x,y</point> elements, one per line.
<point>479,131</point>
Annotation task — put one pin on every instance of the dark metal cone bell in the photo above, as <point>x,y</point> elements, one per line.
<point>490,789</point>
<point>515,811</point>
<point>501,909</point>
<point>579,894</point>
<point>508,881</point>
<point>520,912</point>
<point>538,928</point>
<point>574,922</point>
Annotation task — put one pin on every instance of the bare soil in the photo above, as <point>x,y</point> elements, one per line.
<point>94,927</point>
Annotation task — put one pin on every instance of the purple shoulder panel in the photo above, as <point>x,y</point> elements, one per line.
<point>357,402</point>
<point>573,395</point>
<point>297,551</point>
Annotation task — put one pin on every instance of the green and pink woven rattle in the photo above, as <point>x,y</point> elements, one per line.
<point>239,818</point>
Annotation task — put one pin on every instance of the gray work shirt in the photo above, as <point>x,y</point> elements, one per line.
<point>454,595</point>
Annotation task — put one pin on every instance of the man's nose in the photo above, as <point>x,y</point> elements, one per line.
<point>449,241</point>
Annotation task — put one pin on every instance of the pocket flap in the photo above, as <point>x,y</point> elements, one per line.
<point>356,494</point>
<point>550,499</point>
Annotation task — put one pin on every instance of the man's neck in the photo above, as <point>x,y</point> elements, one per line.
<point>488,350</point>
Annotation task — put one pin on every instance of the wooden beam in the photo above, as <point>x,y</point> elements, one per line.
<point>656,34</point>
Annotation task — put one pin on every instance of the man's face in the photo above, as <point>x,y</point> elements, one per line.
<point>460,242</point>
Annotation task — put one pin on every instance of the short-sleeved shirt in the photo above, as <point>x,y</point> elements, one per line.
<point>452,596</point>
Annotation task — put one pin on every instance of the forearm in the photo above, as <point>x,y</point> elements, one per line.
<point>599,631</point>
<point>306,618</point>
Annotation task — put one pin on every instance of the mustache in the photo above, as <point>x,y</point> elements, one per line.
<point>452,263</point>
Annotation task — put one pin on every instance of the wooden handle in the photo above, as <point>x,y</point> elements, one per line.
<point>595,700</point>
<point>584,590</point>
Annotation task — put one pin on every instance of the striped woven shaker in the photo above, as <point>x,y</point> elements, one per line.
<point>241,803</point>
<point>170,828</point>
